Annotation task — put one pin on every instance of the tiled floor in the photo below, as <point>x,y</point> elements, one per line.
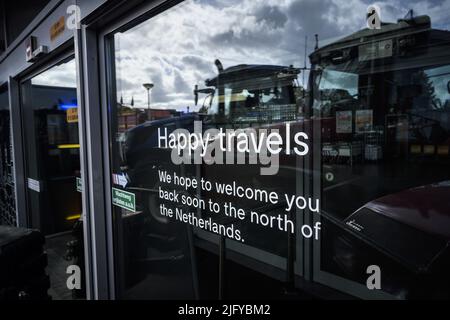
<point>57,265</point>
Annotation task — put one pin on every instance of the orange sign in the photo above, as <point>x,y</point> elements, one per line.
<point>57,28</point>
<point>72,115</point>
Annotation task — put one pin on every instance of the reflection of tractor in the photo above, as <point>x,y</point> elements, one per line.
<point>238,97</point>
<point>393,83</point>
<point>246,94</point>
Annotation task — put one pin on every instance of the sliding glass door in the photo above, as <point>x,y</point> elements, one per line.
<point>52,149</point>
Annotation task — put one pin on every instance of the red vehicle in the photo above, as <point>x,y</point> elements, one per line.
<point>388,91</point>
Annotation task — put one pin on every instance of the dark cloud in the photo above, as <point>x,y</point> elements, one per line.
<point>267,31</point>
<point>272,16</point>
<point>180,85</point>
<point>224,38</point>
<point>309,17</point>
<point>176,49</point>
<point>245,39</point>
<point>198,64</point>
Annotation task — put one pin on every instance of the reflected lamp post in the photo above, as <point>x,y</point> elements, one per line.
<point>148,87</point>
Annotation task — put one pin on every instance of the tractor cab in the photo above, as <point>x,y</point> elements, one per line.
<point>246,94</point>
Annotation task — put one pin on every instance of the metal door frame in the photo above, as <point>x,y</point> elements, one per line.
<point>67,54</point>
<point>15,97</point>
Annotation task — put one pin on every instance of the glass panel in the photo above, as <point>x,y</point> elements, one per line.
<point>359,164</point>
<point>195,81</point>
<point>53,170</point>
<point>382,104</point>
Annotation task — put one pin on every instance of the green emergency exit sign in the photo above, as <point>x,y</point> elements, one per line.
<point>124,199</point>
<point>79,185</point>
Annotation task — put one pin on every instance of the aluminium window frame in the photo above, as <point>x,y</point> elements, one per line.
<point>93,115</point>
<point>65,52</point>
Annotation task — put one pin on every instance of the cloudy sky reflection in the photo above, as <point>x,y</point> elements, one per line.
<point>176,50</point>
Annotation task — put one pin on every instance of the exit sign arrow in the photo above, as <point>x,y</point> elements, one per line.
<point>120,179</point>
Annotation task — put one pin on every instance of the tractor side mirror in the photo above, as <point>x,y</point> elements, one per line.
<point>203,91</point>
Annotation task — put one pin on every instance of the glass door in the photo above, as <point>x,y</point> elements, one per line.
<point>364,194</point>
<point>177,235</point>
<point>52,149</point>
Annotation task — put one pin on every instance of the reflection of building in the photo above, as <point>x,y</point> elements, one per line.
<point>129,117</point>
